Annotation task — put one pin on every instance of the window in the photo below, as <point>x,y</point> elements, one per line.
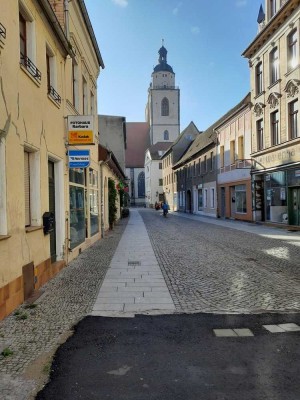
<point>293,119</point>
<point>141,184</point>
<point>240,199</point>
<point>160,165</point>
<point>200,199</point>
<point>195,169</point>
<point>27,42</point>
<point>205,164</point>
<point>199,166</point>
<point>165,107</point>
<point>94,210</point>
<point>274,65</point>
<point>166,135</point>
<point>3,210</point>
<point>292,49</point>
<point>222,156</point>
<point>211,160</point>
<point>212,198</point>
<point>259,78</point>
<point>84,97</point>
<point>52,75</point>
<point>92,107</point>
<point>260,134</point>
<point>75,83</point>
<point>241,147</point>
<point>232,152</point>
<point>274,128</point>
<point>160,182</point>
<point>32,188</point>
<point>272,8</point>
<point>205,197</point>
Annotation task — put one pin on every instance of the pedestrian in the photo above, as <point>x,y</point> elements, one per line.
<point>165,208</point>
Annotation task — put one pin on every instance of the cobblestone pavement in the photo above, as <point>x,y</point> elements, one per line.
<point>211,268</point>
<point>36,332</point>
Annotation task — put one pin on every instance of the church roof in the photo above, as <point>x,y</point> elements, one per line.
<point>137,134</point>
<point>162,61</point>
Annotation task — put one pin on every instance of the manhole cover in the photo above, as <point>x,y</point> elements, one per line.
<point>133,263</point>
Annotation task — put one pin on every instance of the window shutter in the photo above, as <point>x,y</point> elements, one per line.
<point>27,188</point>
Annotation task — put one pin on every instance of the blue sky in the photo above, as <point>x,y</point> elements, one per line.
<point>204,39</point>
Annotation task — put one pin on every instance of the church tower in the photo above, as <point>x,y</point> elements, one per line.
<point>162,110</point>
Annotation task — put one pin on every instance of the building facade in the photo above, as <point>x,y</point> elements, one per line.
<point>40,231</point>
<point>234,163</point>
<point>275,78</point>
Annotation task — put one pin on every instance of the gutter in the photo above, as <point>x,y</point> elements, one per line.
<point>49,13</point>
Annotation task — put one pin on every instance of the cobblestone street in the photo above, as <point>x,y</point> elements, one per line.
<point>213,268</point>
<point>208,265</point>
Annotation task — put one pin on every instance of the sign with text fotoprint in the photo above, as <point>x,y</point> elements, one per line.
<point>80,129</point>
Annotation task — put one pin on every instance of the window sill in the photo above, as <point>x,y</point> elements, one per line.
<point>33,228</point>
<point>4,237</point>
<point>259,94</point>
<point>53,101</point>
<point>274,83</point>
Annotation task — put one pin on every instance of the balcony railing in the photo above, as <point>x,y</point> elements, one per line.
<point>2,31</point>
<point>238,164</point>
<point>54,95</point>
<point>165,87</point>
<point>31,68</point>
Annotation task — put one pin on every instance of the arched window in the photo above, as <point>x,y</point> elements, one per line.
<point>165,107</point>
<point>141,184</point>
<point>166,135</point>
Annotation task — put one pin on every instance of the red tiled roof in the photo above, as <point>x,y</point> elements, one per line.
<point>138,141</point>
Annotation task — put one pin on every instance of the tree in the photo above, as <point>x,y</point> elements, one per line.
<point>112,199</point>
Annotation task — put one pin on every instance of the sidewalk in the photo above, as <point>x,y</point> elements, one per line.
<point>250,227</point>
<point>134,282</point>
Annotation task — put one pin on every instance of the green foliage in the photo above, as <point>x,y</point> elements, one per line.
<point>7,352</point>
<point>112,199</point>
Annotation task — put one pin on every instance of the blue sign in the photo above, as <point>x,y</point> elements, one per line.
<point>79,158</point>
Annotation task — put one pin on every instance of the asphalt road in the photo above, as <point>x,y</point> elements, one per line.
<point>212,272</point>
<point>176,357</point>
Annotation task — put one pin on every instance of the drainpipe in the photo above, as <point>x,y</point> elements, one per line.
<point>66,17</point>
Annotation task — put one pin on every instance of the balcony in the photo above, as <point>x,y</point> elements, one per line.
<point>54,95</point>
<point>30,67</point>
<point>238,164</point>
<point>165,87</point>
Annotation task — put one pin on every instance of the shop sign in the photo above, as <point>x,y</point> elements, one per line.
<point>79,158</point>
<point>80,129</point>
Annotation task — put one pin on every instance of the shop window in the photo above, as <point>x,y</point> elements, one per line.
<point>240,199</point>
<point>276,196</point>
<point>94,201</point>
<point>205,197</point>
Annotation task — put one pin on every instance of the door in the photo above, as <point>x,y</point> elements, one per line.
<point>52,209</point>
<point>294,209</point>
<point>223,202</point>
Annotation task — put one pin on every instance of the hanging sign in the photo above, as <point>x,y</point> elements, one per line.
<point>80,129</point>
<point>79,158</point>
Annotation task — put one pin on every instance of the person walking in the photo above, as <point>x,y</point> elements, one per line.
<point>165,208</point>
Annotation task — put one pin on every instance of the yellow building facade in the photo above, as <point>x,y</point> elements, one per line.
<point>49,65</point>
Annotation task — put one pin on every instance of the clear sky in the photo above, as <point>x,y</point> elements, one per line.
<point>204,39</point>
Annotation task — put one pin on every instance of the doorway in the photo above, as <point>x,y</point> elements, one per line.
<point>51,184</point>
<point>294,209</point>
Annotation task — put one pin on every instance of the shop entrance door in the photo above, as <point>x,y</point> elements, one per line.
<point>295,206</point>
<point>52,209</point>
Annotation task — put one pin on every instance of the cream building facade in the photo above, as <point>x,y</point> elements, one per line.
<point>275,78</point>
<point>49,65</point>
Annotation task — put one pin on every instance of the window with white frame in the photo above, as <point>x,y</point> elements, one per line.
<point>3,208</point>
<point>75,84</point>
<point>274,65</point>
<point>292,56</point>
<point>259,78</point>
<point>32,188</point>
<point>212,198</point>
<point>52,75</point>
<point>240,199</point>
<point>273,8</point>
<point>293,108</point>
<point>27,41</point>
<point>274,118</point>
<point>260,134</point>
<point>94,201</point>
<point>84,96</point>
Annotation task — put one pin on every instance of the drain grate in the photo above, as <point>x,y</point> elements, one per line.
<point>133,263</point>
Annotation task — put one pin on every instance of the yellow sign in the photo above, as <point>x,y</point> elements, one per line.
<point>81,137</point>
<point>80,129</point>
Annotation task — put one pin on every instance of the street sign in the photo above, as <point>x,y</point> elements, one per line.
<point>79,158</point>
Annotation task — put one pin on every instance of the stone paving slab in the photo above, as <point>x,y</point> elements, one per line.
<point>132,285</point>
